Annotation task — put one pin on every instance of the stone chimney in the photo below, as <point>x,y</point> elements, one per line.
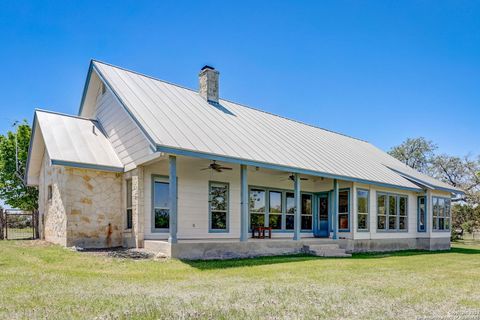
<point>208,77</point>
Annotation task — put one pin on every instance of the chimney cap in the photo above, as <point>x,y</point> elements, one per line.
<point>205,67</point>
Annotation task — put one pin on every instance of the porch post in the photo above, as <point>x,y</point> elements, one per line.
<point>138,211</point>
<point>244,203</point>
<point>172,161</point>
<point>298,203</point>
<point>335,208</point>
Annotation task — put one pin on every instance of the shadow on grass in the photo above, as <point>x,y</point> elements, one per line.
<point>261,261</point>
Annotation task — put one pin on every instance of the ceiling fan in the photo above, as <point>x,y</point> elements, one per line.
<point>215,166</point>
<point>292,177</point>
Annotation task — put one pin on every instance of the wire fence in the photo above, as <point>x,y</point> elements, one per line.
<point>18,225</point>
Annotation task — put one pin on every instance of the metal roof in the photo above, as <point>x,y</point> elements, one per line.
<point>178,118</point>
<point>75,141</point>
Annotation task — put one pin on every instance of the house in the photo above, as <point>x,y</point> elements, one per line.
<point>147,163</point>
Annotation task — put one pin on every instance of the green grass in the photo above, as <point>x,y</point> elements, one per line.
<point>46,281</point>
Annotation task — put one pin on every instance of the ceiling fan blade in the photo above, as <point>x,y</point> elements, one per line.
<point>303,179</point>
<point>205,169</point>
<point>218,170</point>
<point>225,168</point>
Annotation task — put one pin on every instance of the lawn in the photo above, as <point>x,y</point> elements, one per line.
<point>38,280</point>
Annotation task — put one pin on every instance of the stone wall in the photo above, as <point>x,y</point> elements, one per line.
<point>85,209</point>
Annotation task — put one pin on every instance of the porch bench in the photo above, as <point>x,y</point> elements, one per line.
<point>261,232</point>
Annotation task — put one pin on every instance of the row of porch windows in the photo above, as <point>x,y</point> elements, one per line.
<point>276,209</point>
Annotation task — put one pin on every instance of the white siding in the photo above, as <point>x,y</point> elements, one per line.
<point>127,139</point>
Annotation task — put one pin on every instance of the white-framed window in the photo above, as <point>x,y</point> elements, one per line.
<point>392,212</point>
<point>441,214</point>
<point>49,192</point>
<point>422,214</point>
<point>257,206</point>
<point>362,209</point>
<point>160,204</point>
<point>290,211</point>
<point>344,210</point>
<point>307,217</point>
<point>129,204</point>
<point>218,206</point>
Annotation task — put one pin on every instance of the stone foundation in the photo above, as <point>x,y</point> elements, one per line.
<point>382,245</point>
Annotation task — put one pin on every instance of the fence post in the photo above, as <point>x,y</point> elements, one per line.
<point>2,222</point>
<point>36,232</point>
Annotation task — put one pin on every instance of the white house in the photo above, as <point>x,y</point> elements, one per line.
<point>147,163</point>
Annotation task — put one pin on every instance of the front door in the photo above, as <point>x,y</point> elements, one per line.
<point>322,215</point>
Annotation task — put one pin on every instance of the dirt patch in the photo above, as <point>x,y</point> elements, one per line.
<point>121,253</point>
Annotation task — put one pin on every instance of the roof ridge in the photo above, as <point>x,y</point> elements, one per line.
<point>64,114</point>
<point>230,101</point>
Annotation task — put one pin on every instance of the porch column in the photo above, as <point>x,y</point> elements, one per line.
<point>138,211</point>
<point>335,208</point>
<point>172,161</point>
<point>298,208</point>
<point>244,203</point>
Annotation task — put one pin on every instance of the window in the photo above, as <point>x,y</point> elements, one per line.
<point>129,204</point>
<point>161,204</point>
<point>306,212</point>
<point>219,199</point>
<point>362,210</point>
<point>49,193</point>
<point>275,209</point>
<point>392,212</point>
<point>441,214</point>
<point>290,216</point>
<point>422,214</point>
<point>343,210</point>
<point>257,207</point>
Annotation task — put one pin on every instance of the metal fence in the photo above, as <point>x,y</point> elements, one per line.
<point>18,225</point>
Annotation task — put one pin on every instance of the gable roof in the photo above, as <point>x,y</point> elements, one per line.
<point>178,120</point>
<point>71,141</point>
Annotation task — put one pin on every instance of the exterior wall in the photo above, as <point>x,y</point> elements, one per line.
<point>53,217</point>
<point>85,209</point>
<point>126,138</point>
<point>193,184</point>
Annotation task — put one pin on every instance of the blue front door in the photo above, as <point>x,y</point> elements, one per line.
<point>322,215</point>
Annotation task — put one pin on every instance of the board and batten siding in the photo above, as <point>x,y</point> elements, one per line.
<point>123,133</point>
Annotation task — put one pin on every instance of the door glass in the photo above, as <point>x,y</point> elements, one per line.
<point>323,210</point>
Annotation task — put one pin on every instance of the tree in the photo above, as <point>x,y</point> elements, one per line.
<point>415,153</point>
<point>462,173</point>
<point>466,218</point>
<point>12,169</point>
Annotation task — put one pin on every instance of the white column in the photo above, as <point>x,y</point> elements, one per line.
<point>335,208</point>
<point>298,208</point>
<point>244,203</point>
<point>173,199</point>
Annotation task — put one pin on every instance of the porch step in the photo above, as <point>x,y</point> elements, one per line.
<point>326,250</point>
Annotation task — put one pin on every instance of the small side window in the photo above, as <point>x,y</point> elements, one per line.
<point>49,193</point>
<point>129,204</point>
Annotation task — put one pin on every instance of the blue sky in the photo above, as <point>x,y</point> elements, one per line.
<point>378,70</point>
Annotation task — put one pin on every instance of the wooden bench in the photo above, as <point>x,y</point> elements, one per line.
<point>260,231</point>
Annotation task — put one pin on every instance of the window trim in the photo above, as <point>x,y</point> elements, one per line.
<point>227,229</point>
<point>164,179</point>
<point>387,208</point>
<point>126,203</point>
<point>349,210</point>
<point>284,209</point>
<point>425,221</point>
<point>368,210</point>
<point>444,216</point>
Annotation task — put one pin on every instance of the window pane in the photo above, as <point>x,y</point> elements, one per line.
<point>447,207</point>
<point>275,221</point>
<point>392,222</point>
<point>306,222</point>
<point>441,223</point>
<point>275,201</point>
<point>343,202</point>
<point>129,193</point>
<point>392,205</point>
<point>161,195</point>
<point>381,200</point>
<point>447,223</point>
<point>343,221</point>
<point>257,200</point>
<point>306,204</point>
<point>381,222</point>
<point>290,222</point>
<point>290,202</point>
<point>218,220</point>
<point>219,197</point>
<point>362,221</point>
<point>162,218</point>
<point>435,206</point>
<point>257,220</point>
<point>129,219</point>
<point>435,224</point>
<point>323,208</point>
<point>403,206</point>
<point>362,201</point>
<point>402,224</point>
<point>441,207</point>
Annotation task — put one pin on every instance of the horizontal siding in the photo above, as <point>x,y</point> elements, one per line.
<point>126,138</point>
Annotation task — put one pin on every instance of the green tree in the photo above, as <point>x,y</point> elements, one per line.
<point>415,152</point>
<point>12,169</point>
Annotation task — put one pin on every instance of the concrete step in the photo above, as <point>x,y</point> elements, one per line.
<point>157,246</point>
<point>327,250</point>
